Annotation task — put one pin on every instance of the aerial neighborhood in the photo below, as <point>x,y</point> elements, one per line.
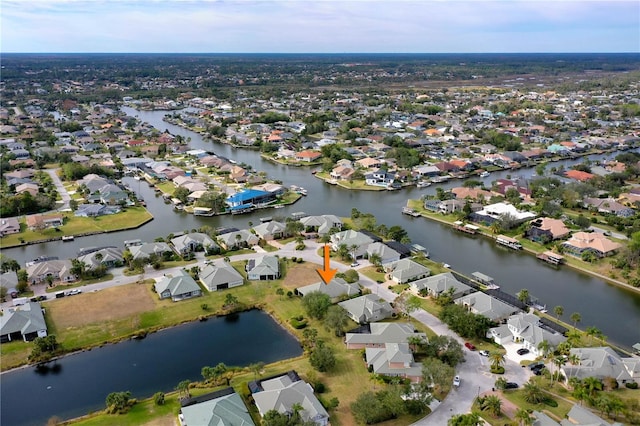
<point>531,168</point>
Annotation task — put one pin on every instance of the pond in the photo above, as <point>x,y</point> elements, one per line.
<point>78,384</point>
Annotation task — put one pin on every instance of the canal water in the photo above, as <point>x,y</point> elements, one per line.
<point>615,311</point>
<point>78,384</point>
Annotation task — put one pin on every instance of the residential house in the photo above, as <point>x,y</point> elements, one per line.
<point>308,156</point>
<point>448,206</point>
<point>369,163</point>
<point>546,229</point>
<point>238,239</point>
<point>475,194</point>
<point>41,221</point>
<point>25,322</point>
<point>30,187</point>
<point>219,276</point>
<point>592,242</point>
<point>342,172</point>
<point>436,285</point>
<point>581,416</point>
<point>528,330</point>
<point>221,408</point>
<point>380,333</point>
<point>321,225</point>
<point>58,270</point>
<point>263,268</point>
<point>602,362</point>
<point>9,225</point>
<point>386,254</point>
<point>607,206</point>
<point>250,197</point>
<point>336,289</point>
<point>367,308</point>
<point>406,270</point>
<point>9,281</point>
<point>110,257</point>
<point>380,178</point>
<point>146,250</point>
<point>281,393</point>
<point>356,242</point>
<point>194,241</point>
<point>482,304</point>
<point>179,287</point>
<point>95,210</point>
<point>579,175</point>
<point>497,211</point>
<point>271,230</point>
<point>394,360</point>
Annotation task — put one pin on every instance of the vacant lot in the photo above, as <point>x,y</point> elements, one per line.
<point>106,305</point>
<point>301,275</point>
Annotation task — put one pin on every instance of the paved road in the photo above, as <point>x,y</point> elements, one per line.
<point>60,188</point>
<point>474,372</point>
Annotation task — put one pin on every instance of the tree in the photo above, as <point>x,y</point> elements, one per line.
<point>532,393</point>
<point>158,398</point>
<point>407,303</point>
<point>523,417</point>
<point>471,419</point>
<point>523,296</point>
<point>336,319</point>
<point>322,358</point>
<point>575,318</point>
<point>375,259</point>
<point>592,385</point>
<point>445,348</point>
<point>592,332</point>
<point>230,302</point>
<point>497,359</point>
<point>544,347</point>
<point>492,404</point>
<point>118,402</point>
<point>316,304</point>
<point>256,368</point>
<point>8,264</point>
<point>183,389</point>
<point>437,373</point>
<point>558,310</point>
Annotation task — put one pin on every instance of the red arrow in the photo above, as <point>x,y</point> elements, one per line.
<point>326,274</point>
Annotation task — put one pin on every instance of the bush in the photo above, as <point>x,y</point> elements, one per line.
<point>497,370</point>
<point>631,385</point>
<point>319,387</point>
<point>158,398</point>
<point>551,402</point>
<point>298,323</point>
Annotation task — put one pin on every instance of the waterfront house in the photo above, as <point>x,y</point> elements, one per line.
<point>406,270</point>
<point>449,206</point>
<point>9,281</point>
<point>356,242</point>
<point>8,226</point>
<point>110,257</point>
<point>271,230</point>
<point>367,308</point>
<point>336,289</point>
<point>380,178</point>
<point>546,229</point>
<point>602,362</point>
<point>394,360</point>
<point>250,197</point>
<point>475,194</point>
<point>39,221</point>
<point>25,322</point>
<point>58,270</point>
<point>179,287</point>
<point>608,206</point>
<point>308,156</point>
<point>146,250</point>
<point>221,408</point>
<point>95,210</point>
<point>497,211</point>
<point>194,241</point>
<point>594,242</point>
<point>482,304</point>
<point>528,330</point>
<point>238,239</point>
<point>263,268</point>
<point>220,276</point>
<point>282,392</point>
<point>579,175</point>
<point>387,254</point>
<point>321,225</point>
<point>439,284</point>
<point>377,334</point>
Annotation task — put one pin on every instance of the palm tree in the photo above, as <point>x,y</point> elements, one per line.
<point>576,318</point>
<point>375,259</point>
<point>256,367</point>
<point>592,386</point>
<point>492,404</point>
<point>523,417</point>
<point>497,359</point>
<point>523,296</point>
<point>558,310</point>
<point>183,389</point>
<point>352,249</point>
<point>559,362</point>
<point>573,337</point>
<point>591,332</point>
<point>532,393</point>
<point>545,348</point>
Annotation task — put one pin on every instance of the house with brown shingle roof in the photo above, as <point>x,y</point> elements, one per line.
<point>463,193</point>
<point>593,242</point>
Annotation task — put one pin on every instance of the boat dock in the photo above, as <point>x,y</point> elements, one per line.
<point>410,212</point>
<point>512,243</point>
<point>551,258</point>
<point>467,229</point>
<point>485,280</point>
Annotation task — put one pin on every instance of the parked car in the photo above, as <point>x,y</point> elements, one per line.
<point>511,385</point>
<point>523,351</point>
<point>354,264</point>
<point>538,371</point>
<point>536,365</point>
<point>484,353</point>
<point>470,346</point>
<point>456,381</point>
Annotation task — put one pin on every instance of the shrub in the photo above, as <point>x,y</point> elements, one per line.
<point>319,387</point>
<point>631,385</point>
<point>298,323</point>
<point>551,402</point>
<point>204,307</point>
<point>158,398</point>
<point>289,293</point>
<point>497,370</point>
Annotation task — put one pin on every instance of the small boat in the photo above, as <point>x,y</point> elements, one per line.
<point>278,206</point>
<point>540,308</point>
<point>484,174</point>
<point>68,238</point>
<point>446,265</point>
<point>423,184</point>
<point>136,177</point>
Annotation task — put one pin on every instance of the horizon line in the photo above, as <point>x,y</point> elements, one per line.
<point>317,53</point>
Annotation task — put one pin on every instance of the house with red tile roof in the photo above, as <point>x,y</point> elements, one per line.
<point>593,242</point>
<point>308,156</point>
<point>579,175</point>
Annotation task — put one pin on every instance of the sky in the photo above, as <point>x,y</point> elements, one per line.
<point>319,26</point>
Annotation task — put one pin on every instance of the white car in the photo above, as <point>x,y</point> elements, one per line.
<point>484,353</point>
<point>456,381</point>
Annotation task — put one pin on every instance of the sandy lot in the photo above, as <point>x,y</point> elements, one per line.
<point>300,275</point>
<point>105,305</point>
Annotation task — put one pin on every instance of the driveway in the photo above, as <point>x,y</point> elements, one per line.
<point>512,353</point>
<point>60,188</point>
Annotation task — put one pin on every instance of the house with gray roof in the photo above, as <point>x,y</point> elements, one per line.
<point>395,360</point>
<point>381,333</point>
<point>482,304</point>
<point>95,210</point>
<point>9,281</point>
<point>406,270</point>
<point>193,241</point>
<point>367,308</point>
<point>355,241</point>
<point>59,270</point>
<point>179,287</point>
<point>221,408</point>
<point>9,225</point>
<point>263,268</point>
<point>238,239</point>
<point>321,225</point>
<point>219,276</point>
<point>336,289</point>
<point>25,322</point>
<point>145,250</point>
<point>271,230</point>
<point>439,284</point>
<point>110,257</point>
<point>581,416</point>
<point>281,393</point>
<point>526,329</point>
<point>602,362</point>
<point>386,253</point>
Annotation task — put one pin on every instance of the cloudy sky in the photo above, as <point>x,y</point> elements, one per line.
<point>323,26</point>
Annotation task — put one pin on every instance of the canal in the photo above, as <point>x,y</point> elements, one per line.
<point>615,311</point>
<point>78,384</point>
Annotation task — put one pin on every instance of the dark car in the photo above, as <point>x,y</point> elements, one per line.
<point>536,365</point>
<point>511,385</point>
<point>470,346</point>
<point>538,371</point>
<point>523,351</point>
